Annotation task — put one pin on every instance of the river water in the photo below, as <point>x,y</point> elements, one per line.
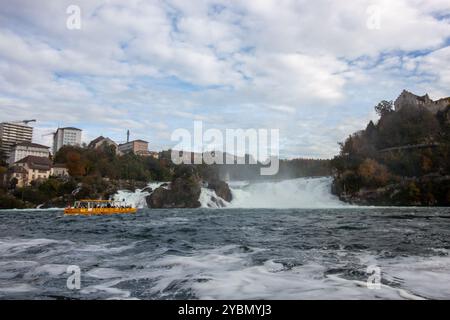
<point>232,253</point>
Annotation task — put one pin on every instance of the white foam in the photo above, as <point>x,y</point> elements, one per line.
<point>51,270</point>
<point>295,193</point>
<point>18,288</point>
<point>108,288</point>
<point>426,276</point>
<point>10,247</point>
<point>104,273</point>
<point>209,199</point>
<point>137,199</point>
<point>227,273</point>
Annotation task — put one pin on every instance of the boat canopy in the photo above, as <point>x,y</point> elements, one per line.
<point>100,204</point>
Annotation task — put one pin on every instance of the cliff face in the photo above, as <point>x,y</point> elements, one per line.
<point>431,190</point>
<point>402,159</point>
<point>410,100</point>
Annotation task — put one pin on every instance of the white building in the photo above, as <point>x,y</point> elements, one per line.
<point>24,149</point>
<point>68,136</point>
<point>59,170</point>
<point>12,133</point>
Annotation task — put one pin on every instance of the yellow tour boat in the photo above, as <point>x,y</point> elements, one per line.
<point>94,207</point>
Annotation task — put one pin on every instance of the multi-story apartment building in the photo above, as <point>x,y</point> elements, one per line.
<point>24,149</point>
<point>68,136</point>
<point>13,133</point>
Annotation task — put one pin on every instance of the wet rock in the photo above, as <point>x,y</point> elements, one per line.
<point>147,189</point>
<point>182,193</point>
<point>221,188</point>
<point>58,202</point>
<point>218,202</point>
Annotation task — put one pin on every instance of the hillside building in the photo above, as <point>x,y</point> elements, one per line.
<point>25,149</point>
<point>13,133</point>
<point>68,136</point>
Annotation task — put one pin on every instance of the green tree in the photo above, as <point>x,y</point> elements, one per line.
<point>384,107</point>
<point>407,127</point>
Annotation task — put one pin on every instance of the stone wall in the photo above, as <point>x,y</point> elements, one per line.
<point>410,100</point>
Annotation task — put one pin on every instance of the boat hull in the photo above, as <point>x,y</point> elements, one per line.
<point>98,211</point>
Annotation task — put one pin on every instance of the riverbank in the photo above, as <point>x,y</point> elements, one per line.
<point>424,191</point>
<point>59,192</point>
<point>403,159</point>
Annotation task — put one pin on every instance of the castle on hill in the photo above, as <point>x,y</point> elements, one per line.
<point>410,100</point>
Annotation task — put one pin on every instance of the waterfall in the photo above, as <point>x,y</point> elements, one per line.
<point>295,193</point>
<point>136,198</point>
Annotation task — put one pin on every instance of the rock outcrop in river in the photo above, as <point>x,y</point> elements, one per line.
<point>221,189</point>
<point>185,190</point>
<point>181,193</point>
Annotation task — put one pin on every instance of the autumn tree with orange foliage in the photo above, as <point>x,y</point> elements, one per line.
<point>373,174</point>
<point>75,164</point>
<point>408,148</point>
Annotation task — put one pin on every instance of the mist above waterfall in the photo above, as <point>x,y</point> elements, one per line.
<point>294,193</point>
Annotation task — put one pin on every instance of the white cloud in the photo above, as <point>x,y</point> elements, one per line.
<point>153,66</point>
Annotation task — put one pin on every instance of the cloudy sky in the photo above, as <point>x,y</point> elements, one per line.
<point>312,69</point>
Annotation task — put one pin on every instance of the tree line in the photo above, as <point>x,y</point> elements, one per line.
<point>405,144</point>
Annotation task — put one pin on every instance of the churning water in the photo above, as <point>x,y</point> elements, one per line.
<point>295,193</point>
<point>276,240</point>
<point>227,254</point>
